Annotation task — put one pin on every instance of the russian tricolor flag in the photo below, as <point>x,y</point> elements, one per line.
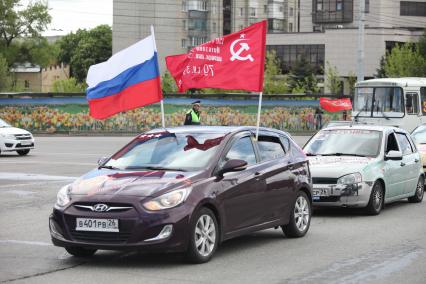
<point>128,80</point>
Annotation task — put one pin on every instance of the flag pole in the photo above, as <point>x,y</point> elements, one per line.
<point>258,114</point>
<point>163,123</point>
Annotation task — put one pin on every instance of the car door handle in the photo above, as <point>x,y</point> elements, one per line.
<point>402,164</point>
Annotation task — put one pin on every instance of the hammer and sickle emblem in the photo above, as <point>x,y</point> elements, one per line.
<point>243,47</point>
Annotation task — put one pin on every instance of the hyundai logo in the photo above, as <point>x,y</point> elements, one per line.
<point>100,207</point>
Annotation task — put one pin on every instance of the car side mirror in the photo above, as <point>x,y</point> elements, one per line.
<point>393,155</point>
<point>102,161</point>
<point>233,165</point>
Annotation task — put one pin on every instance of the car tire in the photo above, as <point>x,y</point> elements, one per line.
<point>418,195</point>
<point>80,251</point>
<point>23,152</point>
<point>300,217</point>
<point>375,204</point>
<point>204,236</point>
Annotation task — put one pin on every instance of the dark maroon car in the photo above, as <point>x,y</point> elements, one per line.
<point>186,189</point>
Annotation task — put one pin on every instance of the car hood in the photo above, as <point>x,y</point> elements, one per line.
<point>13,130</point>
<point>137,183</point>
<point>337,166</point>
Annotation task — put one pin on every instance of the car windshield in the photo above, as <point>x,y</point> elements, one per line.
<point>378,102</point>
<point>167,151</point>
<point>345,142</point>
<point>419,135</point>
<point>4,123</point>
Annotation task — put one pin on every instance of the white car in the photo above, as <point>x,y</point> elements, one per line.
<point>364,166</point>
<point>15,139</point>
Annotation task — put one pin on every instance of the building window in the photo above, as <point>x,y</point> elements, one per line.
<point>367,6</point>
<point>197,40</point>
<point>27,84</point>
<point>214,27</point>
<point>411,8</point>
<point>241,12</point>
<point>252,12</point>
<point>184,25</point>
<point>291,12</point>
<point>197,5</point>
<point>339,5</point>
<point>184,6</point>
<point>184,45</point>
<point>281,8</point>
<point>290,27</point>
<point>319,5</point>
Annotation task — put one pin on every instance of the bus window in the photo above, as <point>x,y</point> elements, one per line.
<point>423,95</point>
<point>411,103</point>
<point>389,101</point>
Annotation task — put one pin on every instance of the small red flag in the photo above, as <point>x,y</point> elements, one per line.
<point>335,105</point>
<point>232,62</point>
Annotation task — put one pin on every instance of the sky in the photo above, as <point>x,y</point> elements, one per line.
<point>70,15</point>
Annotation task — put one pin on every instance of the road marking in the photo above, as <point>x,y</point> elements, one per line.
<point>25,243</point>
<point>30,177</point>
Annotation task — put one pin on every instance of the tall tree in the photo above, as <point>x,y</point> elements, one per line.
<point>16,21</point>
<point>5,81</point>
<point>274,81</point>
<point>405,61</point>
<point>85,48</point>
<point>333,83</point>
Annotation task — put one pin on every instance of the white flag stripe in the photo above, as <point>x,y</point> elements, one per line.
<point>121,61</point>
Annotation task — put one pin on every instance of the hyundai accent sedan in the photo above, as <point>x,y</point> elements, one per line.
<point>186,189</point>
<point>364,166</point>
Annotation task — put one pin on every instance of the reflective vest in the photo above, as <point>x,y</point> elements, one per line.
<point>194,117</point>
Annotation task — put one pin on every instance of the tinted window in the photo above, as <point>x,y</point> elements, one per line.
<point>404,144</point>
<point>242,150</point>
<point>270,148</point>
<point>391,144</point>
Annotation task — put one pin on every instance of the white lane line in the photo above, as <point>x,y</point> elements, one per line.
<point>44,162</point>
<point>25,243</point>
<point>30,177</point>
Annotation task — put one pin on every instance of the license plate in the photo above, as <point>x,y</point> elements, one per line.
<point>96,225</point>
<point>320,192</point>
<point>26,143</point>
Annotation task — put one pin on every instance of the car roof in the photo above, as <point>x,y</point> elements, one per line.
<point>366,127</point>
<point>214,129</point>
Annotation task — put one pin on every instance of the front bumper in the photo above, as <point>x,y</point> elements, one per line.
<point>357,195</point>
<point>136,228</point>
<point>10,145</point>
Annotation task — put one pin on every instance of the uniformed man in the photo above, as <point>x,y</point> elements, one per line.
<point>193,116</point>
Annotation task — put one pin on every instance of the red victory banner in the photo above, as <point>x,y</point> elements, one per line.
<point>232,62</point>
<point>335,105</point>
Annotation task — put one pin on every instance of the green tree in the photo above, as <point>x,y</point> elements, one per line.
<point>274,82</point>
<point>405,61</point>
<point>5,80</point>
<point>85,48</point>
<point>168,84</point>
<point>16,21</point>
<point>422,45</point>
<point>69,85</point>
<point>333,83</point>
<point>35,50</point>
<point>380,72</point>
<point>351,81</point>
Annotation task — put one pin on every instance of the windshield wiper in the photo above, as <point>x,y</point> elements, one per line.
<point>343,154</point>
<point>155,168</point>
<point>108,167</point>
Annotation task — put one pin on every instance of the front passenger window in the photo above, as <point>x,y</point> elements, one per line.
<point>242,150</point>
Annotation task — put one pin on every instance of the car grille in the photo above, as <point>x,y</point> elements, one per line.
<point>324,180</point>
<point>114,207</point>
<point>23,136</point>
<point>24,146</point>
<point>100,237</point>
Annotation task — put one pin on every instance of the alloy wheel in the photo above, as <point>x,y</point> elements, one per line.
<point>377,198</point>
<point>205,235</point>
<point>301,213</point>
<point>419,189</point>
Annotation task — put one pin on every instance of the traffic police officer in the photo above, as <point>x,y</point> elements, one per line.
<point>193,116</point>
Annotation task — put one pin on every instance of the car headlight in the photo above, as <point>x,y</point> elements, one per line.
<point>63,197</point>
<point>168,200</point>
<point>350,179</point>
<point>8,136</point>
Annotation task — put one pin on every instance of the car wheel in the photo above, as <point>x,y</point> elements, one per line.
<point>300,217</point>
<point>23,152</point>
<point>418,195</point>
<point>204,236</point>
<point>375,204</point>
<point>80,251</point>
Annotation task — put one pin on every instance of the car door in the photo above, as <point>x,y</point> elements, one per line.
<point>394,171</point>
<point>276,170</point>
<point>242,192</point>
<point>409,163</point>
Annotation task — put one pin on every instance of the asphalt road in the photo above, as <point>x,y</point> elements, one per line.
<point>342,246</point>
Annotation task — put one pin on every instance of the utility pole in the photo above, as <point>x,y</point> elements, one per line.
<point>360,67</point>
